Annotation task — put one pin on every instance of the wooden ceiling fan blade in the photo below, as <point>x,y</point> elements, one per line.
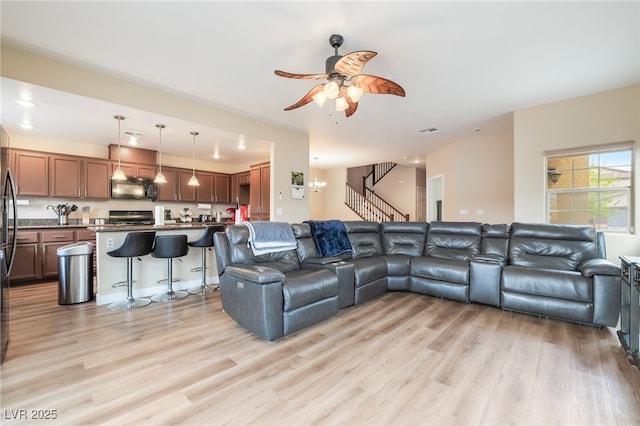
<point>300,76</point>
<point>306,98</point>
<point>378,85</point>
<point>352,63</point>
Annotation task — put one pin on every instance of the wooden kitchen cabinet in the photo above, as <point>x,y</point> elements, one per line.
<point>135,170</point>
<point>239,187</point>
<point>65,176</point>
<point>31,173</point>
<point>206,191</point>
<point>176,188</point>
<point>97,179</point>
<point>51,241</point>
<point>260,191</point>
<point>37,251</point>
<point>26,263</point>
<point>222,193</point>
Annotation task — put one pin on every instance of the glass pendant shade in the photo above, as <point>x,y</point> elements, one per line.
<point>355,93</point>
<point>341,103</point>
<point>118,174</point>
<point>194,180</point>
<point>331,90</point>
<point>160,177</point>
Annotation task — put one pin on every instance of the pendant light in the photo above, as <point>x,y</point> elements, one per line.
<point>194,180</point>
<point>317,185</point>
<point>118,174</point>
<point>160,177</point>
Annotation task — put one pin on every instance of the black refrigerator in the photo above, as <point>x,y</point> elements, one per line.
<point>9,223</point>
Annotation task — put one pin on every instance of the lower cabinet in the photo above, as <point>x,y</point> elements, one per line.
<point>26,264</point>
<point>37,251</point>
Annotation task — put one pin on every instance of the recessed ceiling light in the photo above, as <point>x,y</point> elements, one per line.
<point>26,102</point>
<point>27,126</point>
<point>428,131</point>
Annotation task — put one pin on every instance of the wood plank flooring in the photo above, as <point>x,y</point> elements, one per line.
<point>401,359</point>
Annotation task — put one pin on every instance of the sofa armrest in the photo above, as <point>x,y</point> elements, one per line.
<point>591,267</point>
<point>490,258</point>
<point>255,274</point>
<point>346,278</point>
<point>485,277</point>
<point>315,260</point>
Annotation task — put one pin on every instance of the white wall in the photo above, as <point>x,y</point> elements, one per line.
<point>290,149</point>
<point>612,116</point>
<point>478,177</point>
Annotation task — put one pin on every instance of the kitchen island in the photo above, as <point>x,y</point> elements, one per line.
<point>150,273</point>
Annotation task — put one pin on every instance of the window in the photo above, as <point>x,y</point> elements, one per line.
<point>592,186</point>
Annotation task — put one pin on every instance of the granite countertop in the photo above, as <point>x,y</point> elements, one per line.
<point>128,228</point>
<point>47,224</point>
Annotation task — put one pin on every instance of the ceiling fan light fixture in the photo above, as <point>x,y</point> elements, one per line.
<point>319,98</point>
<point>341,103</point>
<point>355,93</point>
<point>331,90</point>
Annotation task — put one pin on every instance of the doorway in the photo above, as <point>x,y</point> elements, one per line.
<point>435,198</point>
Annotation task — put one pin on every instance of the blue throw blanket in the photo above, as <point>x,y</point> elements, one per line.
<point>270,237</point>
<point>330,237</point>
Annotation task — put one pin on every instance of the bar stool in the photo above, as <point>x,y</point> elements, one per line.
<point>169,247</point>
<point>135,244</point>
<point>205,242</point>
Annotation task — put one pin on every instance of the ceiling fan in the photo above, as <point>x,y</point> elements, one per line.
<point>345,83</point>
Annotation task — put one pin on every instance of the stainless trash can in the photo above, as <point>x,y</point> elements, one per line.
<point>75,273</point>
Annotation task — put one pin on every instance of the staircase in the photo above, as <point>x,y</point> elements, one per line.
<point>367,204</point>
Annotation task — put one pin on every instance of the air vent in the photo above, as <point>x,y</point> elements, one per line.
<point>428,131</point>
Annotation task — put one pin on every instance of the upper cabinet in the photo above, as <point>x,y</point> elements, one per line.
<point>65,176</point>
<point>42,174</point>
<point>176,188</point>
<point>260,191</point>
<point>97,179</point>
<point>31,173</point>
<point>214,187</point>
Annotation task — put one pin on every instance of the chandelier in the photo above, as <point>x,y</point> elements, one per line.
<point>316,185</point>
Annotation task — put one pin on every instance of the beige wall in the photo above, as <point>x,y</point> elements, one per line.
<point>290,149</point>
<point>398,188</point>
<point>478,178</point>
<point>612,116</point>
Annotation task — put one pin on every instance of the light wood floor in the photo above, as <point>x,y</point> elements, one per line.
<point>400,359</point>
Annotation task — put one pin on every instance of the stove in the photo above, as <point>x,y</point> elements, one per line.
<point>131,217</point>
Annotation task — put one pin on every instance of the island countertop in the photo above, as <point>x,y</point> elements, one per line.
<point>166,227</point>
<point>149,273</point>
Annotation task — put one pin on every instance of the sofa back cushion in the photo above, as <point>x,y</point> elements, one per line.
<point>364,237</point>
<point>403,237</point>
<point>453,240</point>
<point>304,239</point>
<point>240,252</point>
<point>551,246</point>
<point>495,239</point>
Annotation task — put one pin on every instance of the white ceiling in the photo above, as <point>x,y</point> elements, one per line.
<point>464,66</point>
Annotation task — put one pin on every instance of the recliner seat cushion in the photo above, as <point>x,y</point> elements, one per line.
<point>307,286</point>
<point>569,285</point>
<point>368,269</point>
<point>452,270</point>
